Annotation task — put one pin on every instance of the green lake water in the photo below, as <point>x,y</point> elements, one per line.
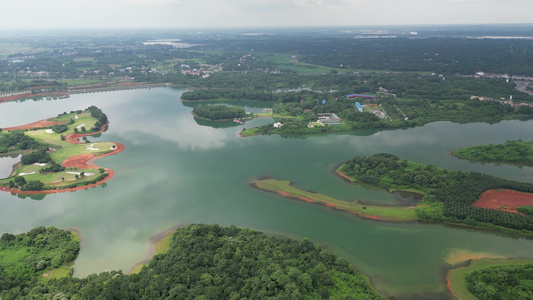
<point>176,171</point>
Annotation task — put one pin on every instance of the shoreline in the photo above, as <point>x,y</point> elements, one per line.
<point>493,261</point>
<point>31,95</point>
<point>75,91</point>
<point>154,240</point>
<point>363,215</point>
<point>82,164</point>
<point>36,124</point>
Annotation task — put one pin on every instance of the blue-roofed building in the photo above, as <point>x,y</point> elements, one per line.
<point>359,107</point>
<point>323,101</point>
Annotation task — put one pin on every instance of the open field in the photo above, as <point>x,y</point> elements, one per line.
<point>12,48</point>
<point>456,277</point>
<point>505,200</point>
<point>61,272</point>
<point>387,213</point>
<point>76,82</point>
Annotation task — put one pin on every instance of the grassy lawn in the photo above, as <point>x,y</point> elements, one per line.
<point>10,257</point>
<point>249,132</point>
<point>457,276</point>
<point>58,179</point>
<point>84,148</point>
<point>388,213</point>
<point>61,272</point>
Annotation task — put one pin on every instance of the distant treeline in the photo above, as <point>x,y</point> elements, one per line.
<point>442,55</point>
<point>263,86</point>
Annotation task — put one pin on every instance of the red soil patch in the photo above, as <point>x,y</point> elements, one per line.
<point>344,175</point>
<point>329,205</point>
<point>507,198</point>
<point>82,161</point>
<point>42,123</point>
<point>73,138</point>
<point>294,196</point>
<point>449,284</point>
<point>86,161</point>
<point>372,217</point>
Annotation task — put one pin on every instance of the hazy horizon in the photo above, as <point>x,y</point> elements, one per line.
<point>210,14</point>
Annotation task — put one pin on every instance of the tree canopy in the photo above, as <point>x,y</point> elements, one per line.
<point>213,262</point>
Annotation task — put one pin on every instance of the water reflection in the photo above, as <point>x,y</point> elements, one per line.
<point>6,164</point>
<point>215,124</point>
<point>37,197</point>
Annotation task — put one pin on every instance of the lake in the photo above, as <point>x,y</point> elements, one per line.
<point>176,171</point>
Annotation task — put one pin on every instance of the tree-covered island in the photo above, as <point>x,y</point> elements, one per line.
<point>202,262</point>
<point>219,112</point>
<point>53,159</point>
<point>449,196</point>
<point>512,152</point>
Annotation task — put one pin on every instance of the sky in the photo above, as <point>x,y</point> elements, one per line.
<point>122,14</point>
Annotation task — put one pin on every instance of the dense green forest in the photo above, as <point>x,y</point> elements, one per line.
<point>98,115</point>
<point>513,282</point>
<point>449,194</point>
<point>264,86</point>
<point>517,152</point>
<point>16,140</point>
<point>399,113</point>
<point>24,258</point>
<point>219,112</point>
<point>213,262</point>
<point>411,100</point>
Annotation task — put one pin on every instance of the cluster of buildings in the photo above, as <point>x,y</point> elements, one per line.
<point>503,101</point>
<point>204,70</point>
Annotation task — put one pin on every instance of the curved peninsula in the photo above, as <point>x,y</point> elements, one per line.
<point>450,196</point>
<point>376,212</point>
<point>53,158</point>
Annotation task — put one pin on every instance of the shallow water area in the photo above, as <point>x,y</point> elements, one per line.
<point>174,171</point>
